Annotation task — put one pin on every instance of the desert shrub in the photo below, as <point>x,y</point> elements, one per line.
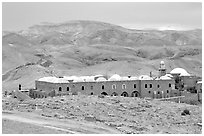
<point>187,111</point>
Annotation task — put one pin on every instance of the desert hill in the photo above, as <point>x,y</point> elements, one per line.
<point>90,47</point>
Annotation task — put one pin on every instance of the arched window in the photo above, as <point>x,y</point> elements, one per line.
<point>60,89</point>
<point>92,87</point>
<point>145,85</point>
<point>82,87</point>
<point>67,88</point>
<point>123,86</point>
<point>158,86</point>
<point>91,93</point>
<point>114,94</point>
<point>150,85</point>
<point>102,87</point>
<point>169,85</point>
<point>135,86</point>
<point>125,94</point>
<point>104,93</point>
<point>113,86</point>
<point>167,91</point>
<point>149,92</point>
<point>135,94</point>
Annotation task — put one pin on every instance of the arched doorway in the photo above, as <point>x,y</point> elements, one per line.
<point>104,93</point>
<point>135,94</point>
<point>114,94</point>
<point>125,94</point>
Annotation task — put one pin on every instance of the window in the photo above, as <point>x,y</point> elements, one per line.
<point>19,87</point>
<point>149,91</point>
<point>158,86</point>
<point>158,92</point>
<point>145,85</point>
<point>91,93</point>
<point>67,88</point>
<point>150,85</point>
<point>102,87</point>
<point>92,87</point>
<point>169,85</point>
<point>167,91</point>
<point>60,89</point>
<point>135,85</point>
<point>113,86</point>
<point>123,86</point>
<point>82,88</point>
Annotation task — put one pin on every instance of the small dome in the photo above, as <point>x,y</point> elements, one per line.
<point>180,71</point>
<point>78,79</point>
<point>89,79</point>
<point>134,78</point>
<point>115,77</point>
<point>145,77</point>
<point>164,78</point>
<point>101,79</point>
<point>125,78</point>
<point>168,75</point>
<point>54,80</point>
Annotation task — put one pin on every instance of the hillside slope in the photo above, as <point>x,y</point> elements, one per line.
<point>90,47</point>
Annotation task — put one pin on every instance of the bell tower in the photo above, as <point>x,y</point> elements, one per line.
<point>162,69</point>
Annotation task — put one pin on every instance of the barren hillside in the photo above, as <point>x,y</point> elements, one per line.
<point>90,47</point>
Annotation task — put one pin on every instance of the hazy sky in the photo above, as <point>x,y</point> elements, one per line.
<point>18,16</point>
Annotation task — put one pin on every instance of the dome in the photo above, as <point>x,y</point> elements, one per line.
<point>134,78</point>
<point>125,78</point>
<point>101,79</point>
<point>145,77</point>
<point>164,78</point>
<point>78,79</point>
<point>54,80</point>
<point>115,77</point>
<point>180,71</point>
<point>89,79</point>
<point>162,62</point>
<point>168,75</point>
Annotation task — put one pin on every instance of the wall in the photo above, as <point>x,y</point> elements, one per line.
<point>158,86</point>
<point>95,88</point>
<point>90,87</point>
<point>189,81</point>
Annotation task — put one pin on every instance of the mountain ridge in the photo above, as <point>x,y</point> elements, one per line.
<point>92,47</point>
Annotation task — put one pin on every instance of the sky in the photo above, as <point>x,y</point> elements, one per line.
<point>172,16</point>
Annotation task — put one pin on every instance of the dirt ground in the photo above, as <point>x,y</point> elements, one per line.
<point>15,127</point>
<point>93,114</point>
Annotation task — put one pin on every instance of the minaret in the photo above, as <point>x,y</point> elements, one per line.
<point>162,69</point>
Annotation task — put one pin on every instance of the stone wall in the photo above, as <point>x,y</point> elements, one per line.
<point>130,88</point>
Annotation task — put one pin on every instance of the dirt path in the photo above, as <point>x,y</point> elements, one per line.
<point>67,126</point>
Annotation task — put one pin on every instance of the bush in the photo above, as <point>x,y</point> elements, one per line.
<point>185,112</point>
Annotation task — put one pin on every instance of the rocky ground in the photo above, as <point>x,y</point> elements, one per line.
<point>126,115</point>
